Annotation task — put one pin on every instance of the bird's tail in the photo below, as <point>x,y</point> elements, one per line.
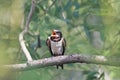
<point>60,66</point>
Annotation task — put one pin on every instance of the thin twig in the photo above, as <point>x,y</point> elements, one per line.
<point>46,10</point>
<point>52,4</point>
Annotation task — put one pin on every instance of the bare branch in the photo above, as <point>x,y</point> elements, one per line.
<point>21,35</point>
<point>89,59</point>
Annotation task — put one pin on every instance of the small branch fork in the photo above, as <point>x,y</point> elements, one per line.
<point>21,35</point>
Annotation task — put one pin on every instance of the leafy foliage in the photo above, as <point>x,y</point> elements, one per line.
<point>89,27</point>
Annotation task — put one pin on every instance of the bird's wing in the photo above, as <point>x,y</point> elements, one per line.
<point>49,45</point>
<point>64,45</point>
<point>48,42</point>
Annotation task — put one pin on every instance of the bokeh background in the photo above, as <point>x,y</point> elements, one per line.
<point>89,27</point>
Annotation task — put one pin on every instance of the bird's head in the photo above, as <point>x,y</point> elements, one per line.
<point>56,35</point>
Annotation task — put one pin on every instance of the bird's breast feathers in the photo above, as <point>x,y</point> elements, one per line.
<point>57,47</point>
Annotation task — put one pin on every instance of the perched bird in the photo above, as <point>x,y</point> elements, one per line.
<point>56,44</point>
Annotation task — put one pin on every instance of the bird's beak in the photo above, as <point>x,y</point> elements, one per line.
<point>54,34</point>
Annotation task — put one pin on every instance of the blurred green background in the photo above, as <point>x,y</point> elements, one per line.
<point>89,27</point>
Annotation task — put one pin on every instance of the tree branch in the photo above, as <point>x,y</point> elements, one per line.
<point>89,59</point>
<point>21,35</point>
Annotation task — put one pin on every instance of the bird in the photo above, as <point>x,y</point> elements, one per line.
<point>56,44</point>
